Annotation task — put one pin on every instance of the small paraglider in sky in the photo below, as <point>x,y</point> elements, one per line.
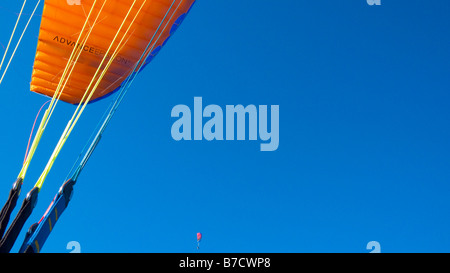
<point>199,238</point>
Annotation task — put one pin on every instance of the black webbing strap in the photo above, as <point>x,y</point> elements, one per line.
<point>13,231</point>
<point>39,232</point>
<point>9,206</point>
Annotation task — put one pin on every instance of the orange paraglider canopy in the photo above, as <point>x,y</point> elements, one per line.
<point>61,25</point>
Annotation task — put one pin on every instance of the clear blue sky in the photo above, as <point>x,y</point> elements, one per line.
<point>364,151</point>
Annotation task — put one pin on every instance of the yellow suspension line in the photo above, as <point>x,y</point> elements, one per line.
<point>20,39</point>
<point>72,122</point>
<point>78,52</point>
<point>46,117</point>
<point>12,34</point>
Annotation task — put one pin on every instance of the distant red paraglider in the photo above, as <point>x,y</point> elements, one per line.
<point>199,237</point>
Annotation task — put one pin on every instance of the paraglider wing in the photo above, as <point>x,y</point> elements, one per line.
<point>60,27</point>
